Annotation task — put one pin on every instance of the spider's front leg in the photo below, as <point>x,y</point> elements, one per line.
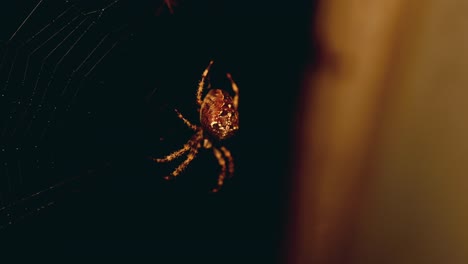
<point>192,154</point>
<point>195,144</point>
<point>187,146</point>
<point>222,164</point>
<point>174,154</point>
<point>186,121</point>
<point>230,161</point>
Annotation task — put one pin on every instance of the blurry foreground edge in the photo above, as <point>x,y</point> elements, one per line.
<point>381,151</point>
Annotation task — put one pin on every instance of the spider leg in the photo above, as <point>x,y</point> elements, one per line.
<point>230,161</point>
<point>194,145</point>
<point>202,84</point>
<point>192,154</point>
<point>222,164</point>
<point>190,143</point>
<point>235,88</point>
<point>190,125</point>
<point>174,154</point>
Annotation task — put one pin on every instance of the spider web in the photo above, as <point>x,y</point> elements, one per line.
<point>88,90</point>
<point>60,112</point>
<point>50,59</point>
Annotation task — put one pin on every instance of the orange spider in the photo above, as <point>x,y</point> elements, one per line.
<point>219,119</point>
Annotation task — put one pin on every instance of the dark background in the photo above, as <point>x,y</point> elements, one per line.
<point>108,198</point>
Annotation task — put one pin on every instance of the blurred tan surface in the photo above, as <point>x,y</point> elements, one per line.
<point>383,160</point>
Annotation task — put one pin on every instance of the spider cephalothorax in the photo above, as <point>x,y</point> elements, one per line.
<point>219,119</point>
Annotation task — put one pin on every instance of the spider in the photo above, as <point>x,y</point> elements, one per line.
<point>219,120</point>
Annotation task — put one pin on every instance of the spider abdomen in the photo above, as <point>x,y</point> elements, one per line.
<point>218,115</point>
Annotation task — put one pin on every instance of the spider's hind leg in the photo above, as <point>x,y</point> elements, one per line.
<point>202,84</point>
<point>235,88</point>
